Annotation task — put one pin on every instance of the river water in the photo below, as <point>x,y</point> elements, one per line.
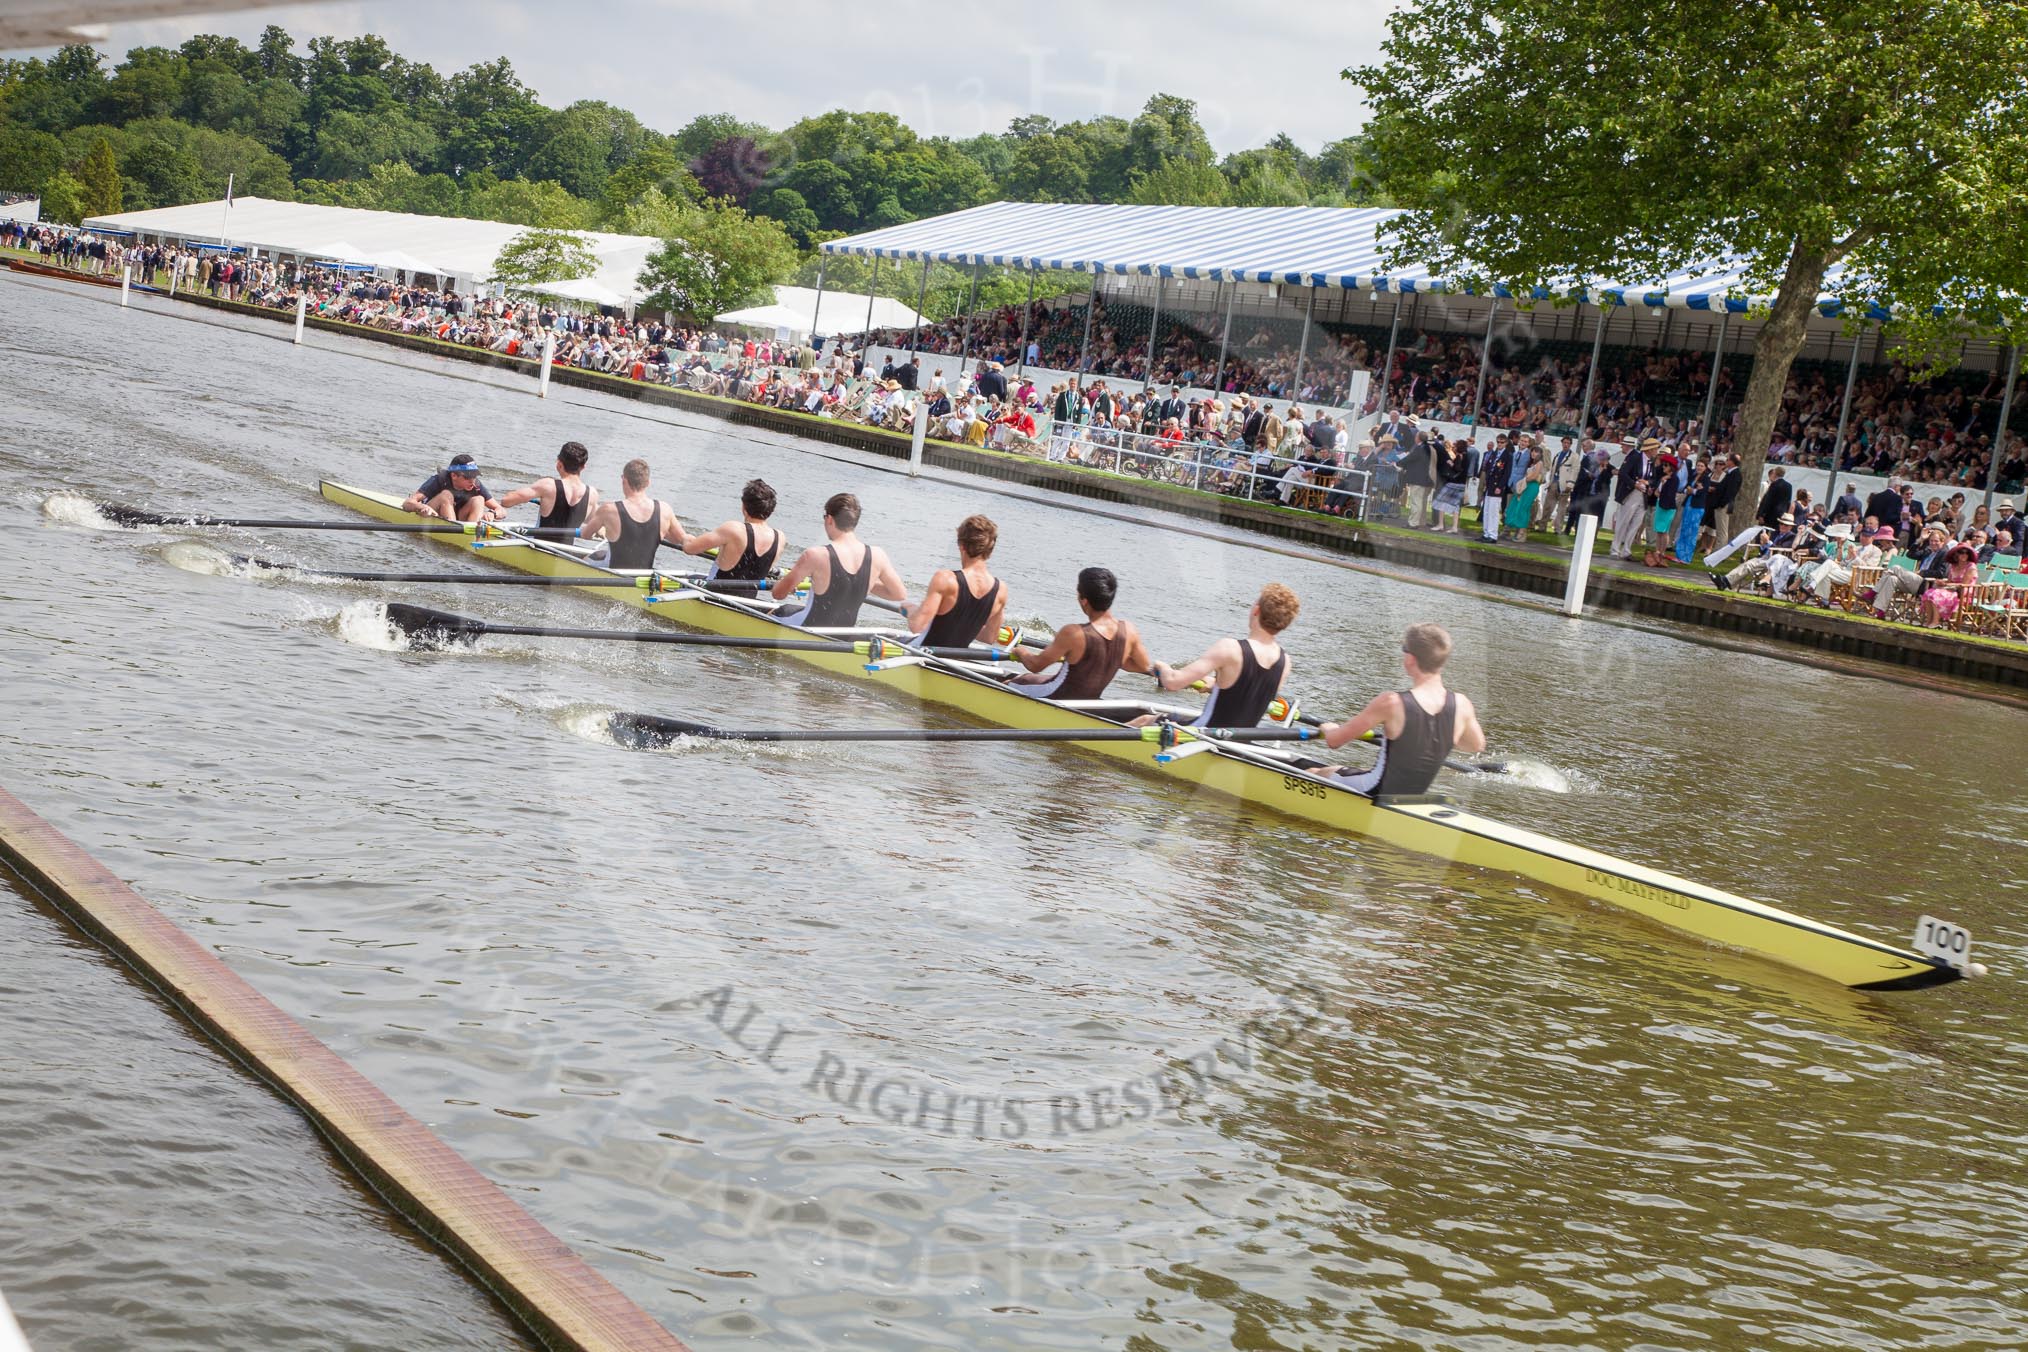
<point>817,1046</point>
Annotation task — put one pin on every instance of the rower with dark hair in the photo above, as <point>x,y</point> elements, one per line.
<point>841,572</point>
<point>1091,653</point>
<point>455,493</point>
<point>747,548</point>
<point>565,500</point>
<point>1249,672</point>
<point>963,603</point>
<point>637,525</point>
<point>1418,726</point>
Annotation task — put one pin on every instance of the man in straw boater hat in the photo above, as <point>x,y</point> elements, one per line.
<point>1630,497</point>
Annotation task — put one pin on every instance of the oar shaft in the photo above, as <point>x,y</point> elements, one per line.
<point>681,728</point>
<point>442,625</point>
<point>135,517</point>
<point>679,640</point>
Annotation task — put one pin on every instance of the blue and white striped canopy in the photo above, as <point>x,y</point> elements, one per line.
<point>1294,246</point>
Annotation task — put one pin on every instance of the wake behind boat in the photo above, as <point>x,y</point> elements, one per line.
<point>1425,824</point>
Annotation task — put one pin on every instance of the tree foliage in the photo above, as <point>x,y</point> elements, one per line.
<point>718,259</point>
<point>536,256</point>
<point>63,198</point>
<point>1536,144</point>
<point>99,176</point>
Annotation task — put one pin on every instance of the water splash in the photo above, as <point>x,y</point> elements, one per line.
<point>1534,774</point>
<point>202,559</point>
<point>77,511</point>
<point>364,623</point>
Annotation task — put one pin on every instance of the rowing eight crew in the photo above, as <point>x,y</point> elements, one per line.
<point>1416,728</point>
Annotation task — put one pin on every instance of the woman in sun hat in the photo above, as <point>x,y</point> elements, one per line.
<point>1665,493</point>
<point>1940,603</point>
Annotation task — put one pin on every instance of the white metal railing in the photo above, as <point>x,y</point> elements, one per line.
<point>1206,465</point>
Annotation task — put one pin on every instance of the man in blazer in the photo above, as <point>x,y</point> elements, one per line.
<point>1494,472</point>
<point>1630,492</point>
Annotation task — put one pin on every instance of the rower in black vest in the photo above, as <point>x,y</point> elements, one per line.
<point>637,525</point>
<point>1248,672</point>
<point>746,549</point>
<point>563,501</point>
<point>1418,726</point>
<point>841,573</point>
<point>1086,656</point>
<point>963,603</point>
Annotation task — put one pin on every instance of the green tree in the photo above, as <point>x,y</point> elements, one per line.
<point>149,83</point>
<point>63,199</point>
<point>536,256</point>
<point>706,130</point>
<point>57,94</point>
<point>653,171</point>
<point>653,213</point>
<point>28,159</point>
<point>164,161</point>
<point>787,206</point>
<point>276,55</point>
<point>349,144</point>
<point>519,202</point>
<point>395,186</point>
<point>575,157</point>
<point>494,121</point>
<point>1049,167</point>
<point>719,259</point>
<point>1535,143</point>
<point>1166,132</point>
<point>1180,183</point>
<point>100,177</point>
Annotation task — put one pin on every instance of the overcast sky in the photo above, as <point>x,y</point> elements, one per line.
<point>954,68</point>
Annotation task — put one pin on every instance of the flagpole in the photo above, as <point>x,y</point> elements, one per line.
<point>224,213</point>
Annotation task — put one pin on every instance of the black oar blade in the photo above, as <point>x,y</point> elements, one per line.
<point>426,628</point>
<point>650,732</point>
<point>130,516</point>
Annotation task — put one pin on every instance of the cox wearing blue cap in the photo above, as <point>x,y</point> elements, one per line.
<point>456,493</point>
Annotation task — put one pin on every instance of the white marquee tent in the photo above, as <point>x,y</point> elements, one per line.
<point>441,246</point>
<point>795,310</point>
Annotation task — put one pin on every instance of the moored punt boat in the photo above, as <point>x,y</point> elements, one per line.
<point>1429,825</point>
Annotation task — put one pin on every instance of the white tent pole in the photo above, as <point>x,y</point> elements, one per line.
<point>1485,364</point>
<point>1711,390</point>
<point>971,306</point>
<point>2000,436</point>
<point>1090,308</point>
<point>871,289</point>
<point>817,311</point>
<point>1844,420</point>
<point>1154,320</point>
<point>1303,347</point>
<point>1387,366</point>
<point>921,296</point>
<point>1026,311</point>
<point>1591,376</point>
<point>1224,338</point>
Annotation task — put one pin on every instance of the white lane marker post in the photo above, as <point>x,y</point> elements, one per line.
<point>302,306</point>
<point>548,351</point>
<point>915,441</point>
<point>1580,566</point>
<point>126,278</point>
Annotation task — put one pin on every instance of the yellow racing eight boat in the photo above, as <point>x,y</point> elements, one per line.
<point>1427,825</point>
